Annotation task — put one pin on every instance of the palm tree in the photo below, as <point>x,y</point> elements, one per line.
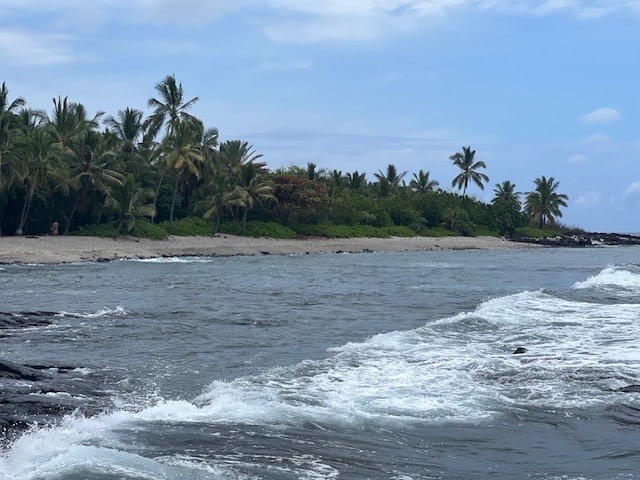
<point>131,202</point>
<point>234,153</point>
<point>42,160</point>
<point>170,107</point>
<point>223,195</point>
<point>254,187</point>
<point>8,124</point>
<point>128,126</point>
<point>389,182</point>
<point>543,204</point>
<point>421,182</point>
<point>356,180</point>
<point>465,161</point>
<point>70,122</point>
<point>92,170</point>
<point>181,153</point>
<point>506,192</point>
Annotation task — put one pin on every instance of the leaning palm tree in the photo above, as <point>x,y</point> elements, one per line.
<point>389,181</point>
<point>465,161</point>
<point>506,192</point>
<point>421,182</point>
<point>170,107</point>
<point>543,204</point>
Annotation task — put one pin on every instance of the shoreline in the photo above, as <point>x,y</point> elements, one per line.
<point>71,249</point>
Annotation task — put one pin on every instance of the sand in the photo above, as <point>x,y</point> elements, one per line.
<point>64,249</point>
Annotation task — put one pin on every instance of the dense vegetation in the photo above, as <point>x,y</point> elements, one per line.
<point>166,173</point>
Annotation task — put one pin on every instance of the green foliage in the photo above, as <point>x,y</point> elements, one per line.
<point>353,231</point>
<point>105,230</point>
<point>145,229</point>
<point>257,228</point>
<point>534,232</point>
<point>188,227</point>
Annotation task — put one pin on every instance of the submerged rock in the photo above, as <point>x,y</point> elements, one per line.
<point>630,389</point>
<point>519,350</point>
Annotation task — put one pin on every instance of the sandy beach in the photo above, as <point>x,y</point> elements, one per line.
<point>63,249</point>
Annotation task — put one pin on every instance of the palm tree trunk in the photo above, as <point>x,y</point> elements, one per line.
<point>155,198</point>
<point>173,199</point>
<point>73,212</point>
<point>25,209</point>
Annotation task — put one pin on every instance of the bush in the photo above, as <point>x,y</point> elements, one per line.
<point>105,230</point>
<point>257,228</point>
<point>534,232</point>
<point>354,231</point>
<point>189,227</point>
<point>145,229</point>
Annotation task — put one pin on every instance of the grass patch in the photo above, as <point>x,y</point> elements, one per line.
<point>533,232</point>
<point>353,231</point>
<point>104,230</point>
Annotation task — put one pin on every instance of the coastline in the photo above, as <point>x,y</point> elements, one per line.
<point>68,249</point>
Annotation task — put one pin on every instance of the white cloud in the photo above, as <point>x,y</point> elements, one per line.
<point>602,115</point>
<point>577,159</point>
<point>633,188</point>
<point>25,48</point>
<point>589,199</point>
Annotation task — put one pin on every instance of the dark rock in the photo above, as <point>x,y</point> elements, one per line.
<point>582,239</point>
<point>519,350</point>
<point>630,389</point>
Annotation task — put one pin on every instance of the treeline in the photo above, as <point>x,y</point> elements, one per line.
<point>167,172</point>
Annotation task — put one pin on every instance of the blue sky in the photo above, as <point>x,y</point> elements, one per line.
<point>536,87</point>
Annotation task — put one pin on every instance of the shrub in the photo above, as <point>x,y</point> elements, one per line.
<point>106,230</point>
<point>257,228</point>
<point>189,227</point>
<point>145,229</point>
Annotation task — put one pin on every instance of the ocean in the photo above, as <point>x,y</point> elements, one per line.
<point>325,366</point>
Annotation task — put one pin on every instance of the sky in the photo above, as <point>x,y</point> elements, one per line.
<point>536,87</point>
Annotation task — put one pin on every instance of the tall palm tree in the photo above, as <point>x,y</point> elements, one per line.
<point>389,181</point>
<point>92,171</point>
<point>8,124</point>
<point>70,122</point>
<point>170,107</point>
<point>465,161</point>
<point>421,182</point>
<point>543,204</point>
<point>42,160</point>
<point>128,126</point>
<point>182,154</point>
<point>506,192</point>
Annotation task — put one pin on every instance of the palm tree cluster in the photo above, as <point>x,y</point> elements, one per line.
<point>79,170</point>
<point>70,167</point>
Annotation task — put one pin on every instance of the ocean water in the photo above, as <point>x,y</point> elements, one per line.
<point>330,366</point>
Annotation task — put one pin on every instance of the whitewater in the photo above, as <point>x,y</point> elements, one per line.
<point>325,366</point>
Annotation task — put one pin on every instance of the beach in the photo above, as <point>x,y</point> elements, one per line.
<point>65,249</point>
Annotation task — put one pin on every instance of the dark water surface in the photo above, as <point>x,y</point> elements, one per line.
<point>346,366</point>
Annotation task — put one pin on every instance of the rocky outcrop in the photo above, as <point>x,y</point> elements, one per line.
<point>583,239</point>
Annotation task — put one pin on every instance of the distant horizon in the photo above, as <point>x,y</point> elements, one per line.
<point>535,90</point>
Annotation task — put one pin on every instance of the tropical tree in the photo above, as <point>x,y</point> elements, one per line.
<point>356,180</point>
<point>70,122</point>
<point>181,153</point>
<point>92,171</point>
<point>389,181</point>
<point>170,107</point>
<point>130,202</point>
<point>421,182</point>
<point>543,204</point>
<point>506,192</point>
<point>8,124</point>
<point>254,187</point>
<point>222,195</point>
<point>466,162</point>
<point>42,161</point>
